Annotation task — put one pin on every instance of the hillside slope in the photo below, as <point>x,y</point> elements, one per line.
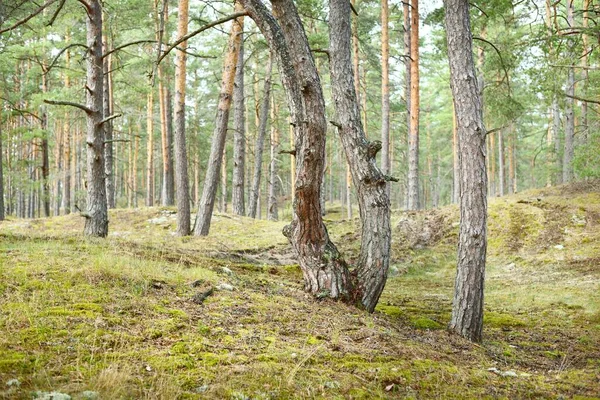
<point>146,315</point>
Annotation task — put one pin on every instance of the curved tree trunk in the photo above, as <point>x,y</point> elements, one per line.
<point>467,309</point>
<point>373,201</point>
<point>239,138</point>
<point>260,142</point>
<point>209,192</point>
<point>181,172</point>
<point>325,272</point>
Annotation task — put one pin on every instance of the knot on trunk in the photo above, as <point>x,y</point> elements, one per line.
<point>373,148</point>
<point>287,231</point>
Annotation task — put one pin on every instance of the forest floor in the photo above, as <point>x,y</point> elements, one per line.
<point>126,317</point>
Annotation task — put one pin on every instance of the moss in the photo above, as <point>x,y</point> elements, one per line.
<point>426,323</point>
<point>499,320</point>
<point>392,311</point>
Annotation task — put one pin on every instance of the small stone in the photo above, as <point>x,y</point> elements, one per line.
<point>294,355</point>
<point>148,368</point>
<point>226,271</point>
<point>90,395</point>
<point>13,382</point>
<point>559,247</point>
<point>510,373</point>
<point>225,286</point>
<point>511,266</point>
<point>201,389</point>
<point>393,271</point>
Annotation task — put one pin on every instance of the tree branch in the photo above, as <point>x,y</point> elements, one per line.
<point>199,30</point>
<point>290,152</point>
<point>109,118</point>
<point>58,10</point>
<point>127,45</point>
<point>584,100</point>
<point>60,53</point>
<point>27,18</point>
<point>69,103</point>
<point>499,55</point>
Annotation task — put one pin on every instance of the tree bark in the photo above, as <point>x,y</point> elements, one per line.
<point>2,216</point>
<point>501,164</point>
<point>385,91</point>
<point>260,141</point>
<point>272,212</point>
<point>207,202</point>
<point>455,164</point>
<point>238,200</point>
<point>96,222</point>
<point>45,150</point>
<point>181,159</point>
<point>467,309</point>
<point>68,136</point>
<point>413,140</point>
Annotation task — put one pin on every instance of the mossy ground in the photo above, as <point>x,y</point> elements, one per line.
<point>116,316</point>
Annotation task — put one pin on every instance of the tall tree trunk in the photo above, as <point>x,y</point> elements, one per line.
<point>96,223</point>
<point>407,73</point>
<point>45,150</point>
<point>223,202</point>
<point>272,212</point>
<point>207,202</point>
<point>385,91</point>
<point>467,309</point>
<point>68,135</point>
<point>238,200</point>
<point>569,115</point>
<point>413,142</point>
<point>260,141</point>
<point>150,150</point>
<point>512,177</point>
<point>181,160</point>
<point>492,186</point>
<point>584,64</point>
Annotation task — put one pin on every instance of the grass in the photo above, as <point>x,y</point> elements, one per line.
<point>116,317</point>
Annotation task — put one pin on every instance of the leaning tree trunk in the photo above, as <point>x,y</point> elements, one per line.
<point>181,172</point>
<point>260,142</point>
<point>413,137</point>
<point>209,192</point>
<point>325,272</point>
<point>239,138</point>
<point>467,309</point>
<point>373,201</point>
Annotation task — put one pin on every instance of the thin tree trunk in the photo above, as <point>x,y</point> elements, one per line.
<point>492,152</point>
<point>150,150</point>
<point>2,216</point>
<point>585,78</point>
<point>260,141</point>
<point>413,142</point>
<point>569,115</point>
<point>68,135</point>
<point>181,159</point>
<point>238,200</point>
<point>501,164</point>
<point>272,212</point>
<point>467,309</point>
<point>223,205</point>
<point>385,91</point>
<point>207,202</point>
<point>108,126</point>
<point>511,160</point>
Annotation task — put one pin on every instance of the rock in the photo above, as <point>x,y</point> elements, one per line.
<point>226,271</point>
<point>13,383</point>
<point>511,266</point>
<point>510,373</point>
<point>51,396</point>
<point>225,286</point>
<point>159,220</point>
<point>90,395</point>
<point>201,389</point>
<point>200,297</point>
<point>559,247</point>
<point>393,271</point>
